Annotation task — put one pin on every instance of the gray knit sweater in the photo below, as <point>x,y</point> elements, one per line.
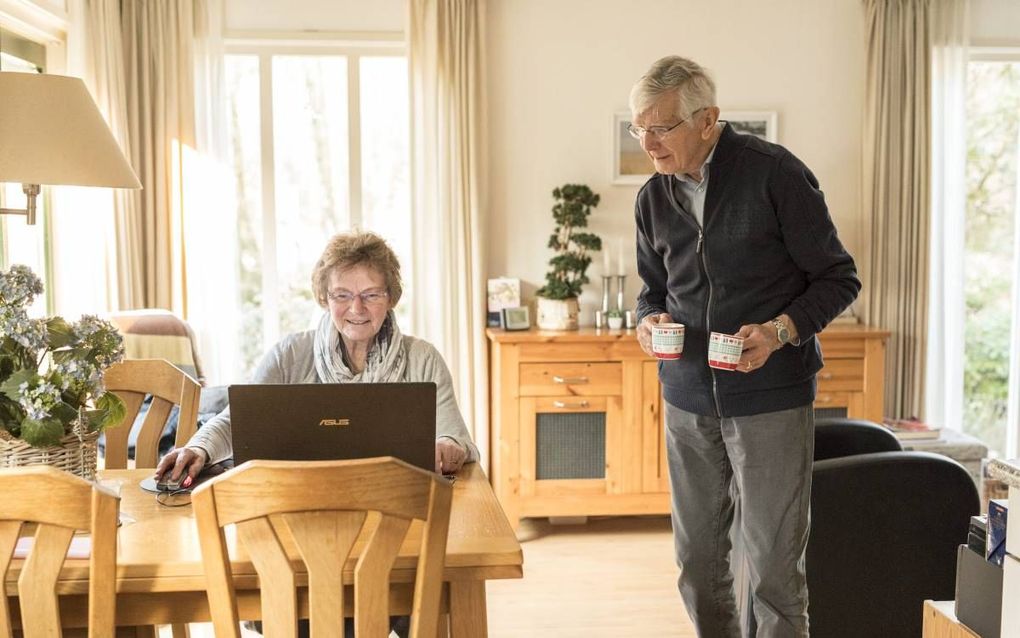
<point>292,360</point>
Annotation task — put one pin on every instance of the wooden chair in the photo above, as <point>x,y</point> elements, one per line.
<point>323,506</point>
<point>58,503</point>
<point>132,380</point>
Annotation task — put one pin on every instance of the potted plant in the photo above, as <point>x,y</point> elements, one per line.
<point>615,319</point>
<point>557,299</point>
<point>52,402</point>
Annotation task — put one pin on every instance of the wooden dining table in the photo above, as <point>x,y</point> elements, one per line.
<point>160,579</point>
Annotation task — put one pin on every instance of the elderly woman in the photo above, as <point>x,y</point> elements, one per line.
<point>357,281</point>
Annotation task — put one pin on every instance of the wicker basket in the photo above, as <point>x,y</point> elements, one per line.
<point>76,453</point>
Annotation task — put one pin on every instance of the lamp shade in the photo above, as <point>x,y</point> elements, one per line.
<point>51,132</point>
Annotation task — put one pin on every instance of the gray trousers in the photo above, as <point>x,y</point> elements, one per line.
<point>764,461</point>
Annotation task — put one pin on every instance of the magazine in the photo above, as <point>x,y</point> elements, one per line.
<point>911,428</point>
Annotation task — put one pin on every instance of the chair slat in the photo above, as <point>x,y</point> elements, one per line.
<point>425,608</point>
<point>220,588</point>
<point>147,443</point>
<point>115,452</point>
<point>277,580</point>
<point>325,540</point>
<point>37,595</point>
<point>9,532</point>
<point>372,577</point>
<point>103,563</point>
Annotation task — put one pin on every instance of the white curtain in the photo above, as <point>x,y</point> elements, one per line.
<point>445,61</point>
<point>209,210</point>
<point>90,276</point>
<point>945,362</point>
<point>1013,397</point>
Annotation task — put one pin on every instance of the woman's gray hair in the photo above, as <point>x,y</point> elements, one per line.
<point>357,248</point>
<point>689,79</point>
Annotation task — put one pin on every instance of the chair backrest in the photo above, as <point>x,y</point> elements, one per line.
<point>154,333</point>
<point>323,506</point>
<point>836,437</point>
<point>58,504</point>
<point>884,532</point>
<point>134,379</point>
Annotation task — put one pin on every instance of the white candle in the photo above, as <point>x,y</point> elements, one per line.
<point>621,265</point>
<point>607,266</point>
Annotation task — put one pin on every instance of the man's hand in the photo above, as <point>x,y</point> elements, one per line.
<point>183,460</point>
<point>450,455</point>
<point>644,330</point>
<point>760,341</point>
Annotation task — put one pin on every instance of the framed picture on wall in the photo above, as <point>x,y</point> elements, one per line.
<point>762,124</point>
<point>631,164</point>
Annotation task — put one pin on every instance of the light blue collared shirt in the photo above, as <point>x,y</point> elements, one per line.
<point>690,193</point>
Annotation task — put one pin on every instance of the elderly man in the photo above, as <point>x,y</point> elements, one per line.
<point>733,236</point>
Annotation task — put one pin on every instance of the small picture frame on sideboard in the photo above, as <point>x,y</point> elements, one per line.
<point>516,318</point>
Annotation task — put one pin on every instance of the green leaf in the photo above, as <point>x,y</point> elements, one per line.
<point>110,411</point>
<point>58,333</point>
<point>42,433</point>
<point>12,386</point>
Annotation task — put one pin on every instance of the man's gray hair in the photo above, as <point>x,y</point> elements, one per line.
<point>673,73</point>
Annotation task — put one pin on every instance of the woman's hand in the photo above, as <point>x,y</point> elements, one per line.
<point>183,460</point>
<point>450,456</point>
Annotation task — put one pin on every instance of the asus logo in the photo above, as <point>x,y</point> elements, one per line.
<point>335,422</point>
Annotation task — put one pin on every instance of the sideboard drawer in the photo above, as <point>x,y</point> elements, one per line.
<point>570,379</point>
<point>841,375</point>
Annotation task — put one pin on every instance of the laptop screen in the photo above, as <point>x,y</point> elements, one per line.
<point>326,421</point>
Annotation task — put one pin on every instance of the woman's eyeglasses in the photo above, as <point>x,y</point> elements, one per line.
<point>371,298</point>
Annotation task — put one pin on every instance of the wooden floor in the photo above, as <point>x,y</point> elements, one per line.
<point>609,577</point>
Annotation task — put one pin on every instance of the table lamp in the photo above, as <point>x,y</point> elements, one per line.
<point>51,132</point>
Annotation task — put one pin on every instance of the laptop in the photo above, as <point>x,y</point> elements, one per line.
<point>332,421</point>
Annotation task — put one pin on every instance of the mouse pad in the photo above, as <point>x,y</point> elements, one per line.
<point>149,483</point>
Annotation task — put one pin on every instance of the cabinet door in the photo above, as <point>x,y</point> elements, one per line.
<point>655,474</point>
<point>567,446</point>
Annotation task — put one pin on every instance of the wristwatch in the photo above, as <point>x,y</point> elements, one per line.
<point>782,332</point>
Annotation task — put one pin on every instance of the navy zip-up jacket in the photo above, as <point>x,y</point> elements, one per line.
<point>768,247</point>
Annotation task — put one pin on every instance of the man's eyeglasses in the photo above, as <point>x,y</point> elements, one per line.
<point>658,132</point>
<point>372,298</point>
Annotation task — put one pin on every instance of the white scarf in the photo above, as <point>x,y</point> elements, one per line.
<point>386,360</point>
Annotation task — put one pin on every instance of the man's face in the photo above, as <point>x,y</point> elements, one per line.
<point>680,150</point>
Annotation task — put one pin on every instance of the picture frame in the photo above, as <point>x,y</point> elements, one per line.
<point>502,292</point>
<point>630,163</point>
<point>516,318</point>
<point>763,124</point>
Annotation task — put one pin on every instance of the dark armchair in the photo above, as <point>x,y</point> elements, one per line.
<point>884,532</point>
<point>836,437</point>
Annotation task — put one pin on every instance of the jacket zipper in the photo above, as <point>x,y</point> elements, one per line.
<point>708,306</point>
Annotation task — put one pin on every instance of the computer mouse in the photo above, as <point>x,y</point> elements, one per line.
<point>166,484</point>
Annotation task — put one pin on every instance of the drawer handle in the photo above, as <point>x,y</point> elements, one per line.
<point>823,399</point>
<point>825,376</point>
<point>564,404</point>
<point>570,380</point>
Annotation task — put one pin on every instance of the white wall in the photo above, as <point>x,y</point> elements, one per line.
<point>314,15</point>
<point>995,22</point>
<point>557,70</point>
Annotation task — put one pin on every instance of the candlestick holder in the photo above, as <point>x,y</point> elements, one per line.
<point>600,317</point>
<point>619,292</point>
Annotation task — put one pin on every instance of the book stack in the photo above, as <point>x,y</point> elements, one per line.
<point>912,428</point>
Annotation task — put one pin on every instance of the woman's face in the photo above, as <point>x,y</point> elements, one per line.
<point>358,303</point>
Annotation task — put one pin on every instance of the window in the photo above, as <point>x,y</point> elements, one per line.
<point>991,250</point>
<point>319,142</point>
<point>19,242</point>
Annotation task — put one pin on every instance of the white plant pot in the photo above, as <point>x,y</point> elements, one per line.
<point>615,323</point>
<point>557,314</point>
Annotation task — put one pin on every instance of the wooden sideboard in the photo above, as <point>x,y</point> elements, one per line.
<point>576,423</point>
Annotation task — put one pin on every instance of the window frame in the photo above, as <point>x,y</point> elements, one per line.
<point>264,46</point>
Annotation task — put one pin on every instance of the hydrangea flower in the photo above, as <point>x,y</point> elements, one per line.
<point>51,373</point>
